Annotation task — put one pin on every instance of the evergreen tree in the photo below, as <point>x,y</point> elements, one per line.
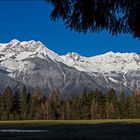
<point>55,103</point>
<point>112,101</point>
<point>126,113</point>
<point>68,109</point>
<point>100,104</point>
<point>32,109</point>
<point>115,16</point>
<point>121,104</point>
<point>36,103</point>
<point>7,104</point>
<point>63,110</point>
<point>86,104</point>
<point>16,106</point>
<point>23,103</point>
<point>1,106</point>
<point>132,106</point>
<point>137,102</point>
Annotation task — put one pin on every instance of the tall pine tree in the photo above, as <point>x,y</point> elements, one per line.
<point>23,104</point>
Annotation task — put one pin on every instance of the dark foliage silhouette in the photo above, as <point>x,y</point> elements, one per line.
<point>114,16</point>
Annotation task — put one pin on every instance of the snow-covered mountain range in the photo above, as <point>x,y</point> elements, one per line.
<point>30,63</point>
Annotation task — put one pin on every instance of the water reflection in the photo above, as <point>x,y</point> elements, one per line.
<point>22,131</point>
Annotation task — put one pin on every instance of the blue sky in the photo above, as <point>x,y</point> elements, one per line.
<point>29,20</point>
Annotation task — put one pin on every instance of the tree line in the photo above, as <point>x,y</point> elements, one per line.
<point>91,104</point>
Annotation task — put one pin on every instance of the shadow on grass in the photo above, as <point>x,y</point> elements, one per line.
<point>106,131</point>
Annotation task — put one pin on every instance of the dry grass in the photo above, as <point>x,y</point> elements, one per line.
<point>53,122</point>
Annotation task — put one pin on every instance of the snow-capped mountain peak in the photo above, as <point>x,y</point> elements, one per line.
<point>26,49</point>
<point>73,55</point>
<point>108,62</point>
<point>31,62</point>
<point>13,41</point>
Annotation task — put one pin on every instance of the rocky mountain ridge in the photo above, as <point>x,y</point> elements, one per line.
<point>31,63</point>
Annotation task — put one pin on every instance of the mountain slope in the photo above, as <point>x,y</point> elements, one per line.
<point>33,64</point>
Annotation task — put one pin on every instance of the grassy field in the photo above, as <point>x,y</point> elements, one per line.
<point>127,129</point>
<point>55,122</point>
